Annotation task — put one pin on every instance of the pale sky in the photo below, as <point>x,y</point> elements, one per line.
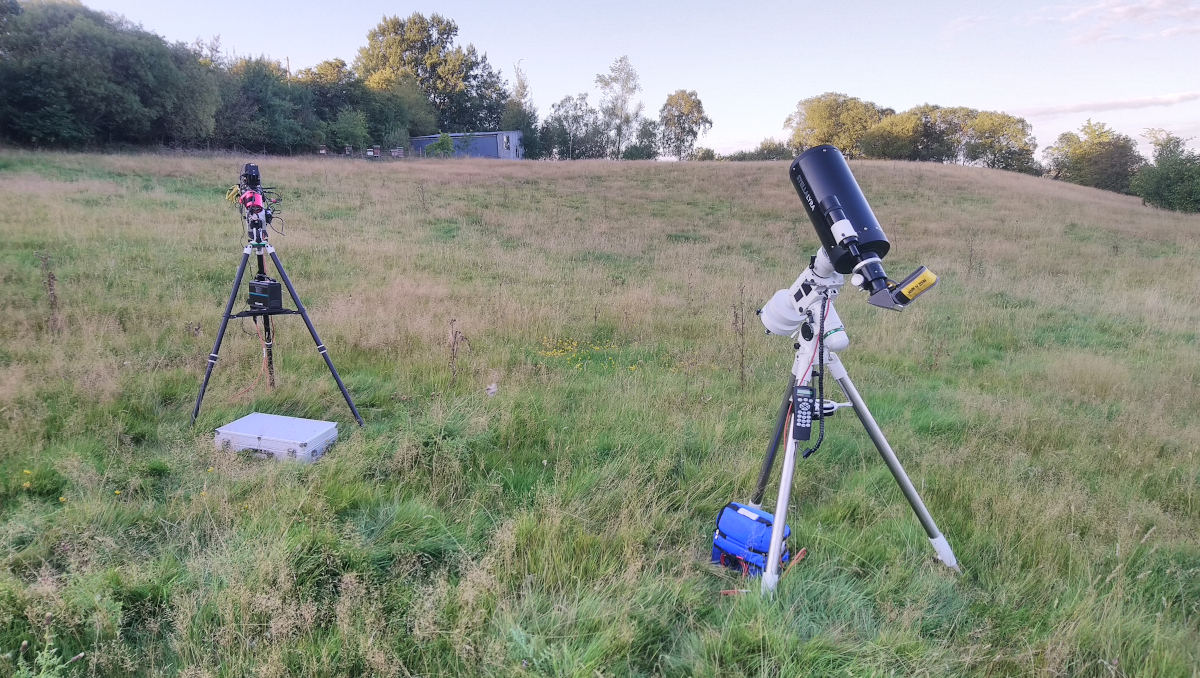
<point>1129,63</point>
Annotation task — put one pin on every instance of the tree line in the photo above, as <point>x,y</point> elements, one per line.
<point>75,78</point>
<point>1095,156</point>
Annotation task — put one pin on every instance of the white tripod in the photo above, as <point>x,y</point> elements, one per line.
<point>805,311</point>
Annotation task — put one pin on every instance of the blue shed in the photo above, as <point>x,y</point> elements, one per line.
<point>505,144</point>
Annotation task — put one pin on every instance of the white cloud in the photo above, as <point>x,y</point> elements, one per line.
<point>1179,30</point>
<point>1118,104</point>
<point>1112,20</point>
<point>962,24</point>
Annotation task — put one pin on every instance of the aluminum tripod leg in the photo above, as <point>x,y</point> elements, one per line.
<point>940,545</point>
<point>212,357</point>
<point>770,575</point>
<point>313,331</point>
<point>773,447</point>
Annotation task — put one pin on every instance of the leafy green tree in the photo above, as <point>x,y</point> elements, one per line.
<point>896,137</point>
<point>466,92</point>
<point>703,153</point>
<point>520,114</point>
<point>192,117</point>
<point>73,76</point>
<point>260,112</point>
<point>945,136</point>
<point>683,121</point>
<point>1173,181</point>
<point>9,9</point>
<point>832,118</point>
<point>935,134</point>
<point>399,111</point>
<point>334,87</point>
<point>349,128</point>
<point>574,130</point>
<point>621,113</point>
<point>645,144</point>
<point>1098,157</point>
<point>926,133</point>
<point>1001,141</point>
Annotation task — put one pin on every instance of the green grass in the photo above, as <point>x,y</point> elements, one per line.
<point>1043,398</point>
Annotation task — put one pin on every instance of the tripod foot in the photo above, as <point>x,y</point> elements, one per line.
<point>769,581</point>
<point>945,553</point>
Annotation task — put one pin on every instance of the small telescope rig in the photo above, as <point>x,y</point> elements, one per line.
<point>852,242</point>
<point>265,296</point>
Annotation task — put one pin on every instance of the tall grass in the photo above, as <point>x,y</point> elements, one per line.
<point>1044,398</point>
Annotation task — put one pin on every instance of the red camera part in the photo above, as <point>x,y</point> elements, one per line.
<point>252,201</point>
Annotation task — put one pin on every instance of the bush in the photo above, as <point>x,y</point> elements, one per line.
<point>1173,181</point>
<point>442,148</point>
<point>769,149</point>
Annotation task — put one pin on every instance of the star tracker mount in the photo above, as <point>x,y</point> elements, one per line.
<point>852,242</point>
<point>265,297</point>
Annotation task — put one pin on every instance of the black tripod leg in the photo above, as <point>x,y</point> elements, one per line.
<point>212,357</point>
<point>780,425</point>
<point>313,331</point>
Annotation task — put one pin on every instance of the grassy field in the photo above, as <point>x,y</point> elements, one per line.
<point>1045,399</point>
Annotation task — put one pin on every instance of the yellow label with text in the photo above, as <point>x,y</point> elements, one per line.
<point>922,283</point>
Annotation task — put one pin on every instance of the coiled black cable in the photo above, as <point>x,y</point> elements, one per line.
<point>820,408</point>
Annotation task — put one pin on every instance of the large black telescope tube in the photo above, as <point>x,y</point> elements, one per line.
<point>829,193</point>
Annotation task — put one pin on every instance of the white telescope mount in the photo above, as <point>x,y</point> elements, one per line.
<point>806,312</point>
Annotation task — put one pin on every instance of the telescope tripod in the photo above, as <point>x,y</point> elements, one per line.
<point>813,295</point>
<point>260,249</point>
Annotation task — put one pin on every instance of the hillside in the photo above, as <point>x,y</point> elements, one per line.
<point>1045,399</point>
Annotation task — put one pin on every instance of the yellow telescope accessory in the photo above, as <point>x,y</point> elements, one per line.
<point>916,284</point>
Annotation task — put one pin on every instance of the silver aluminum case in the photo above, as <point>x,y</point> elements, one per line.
<point>277,436</point>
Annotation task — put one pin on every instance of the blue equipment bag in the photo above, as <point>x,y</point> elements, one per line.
<point>743,538</point>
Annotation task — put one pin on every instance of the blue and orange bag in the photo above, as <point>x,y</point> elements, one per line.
<point>743,538</point>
